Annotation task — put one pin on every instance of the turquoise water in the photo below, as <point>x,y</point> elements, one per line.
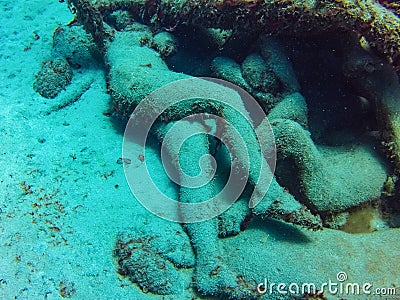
<point>254,166</point>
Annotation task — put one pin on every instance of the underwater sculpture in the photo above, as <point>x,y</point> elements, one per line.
<point>135,57</point>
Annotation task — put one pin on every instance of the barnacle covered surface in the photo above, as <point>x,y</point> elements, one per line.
<point>367,18</point>
<point>53,77</point>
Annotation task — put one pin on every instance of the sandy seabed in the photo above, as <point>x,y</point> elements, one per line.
<point>64,197</point>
